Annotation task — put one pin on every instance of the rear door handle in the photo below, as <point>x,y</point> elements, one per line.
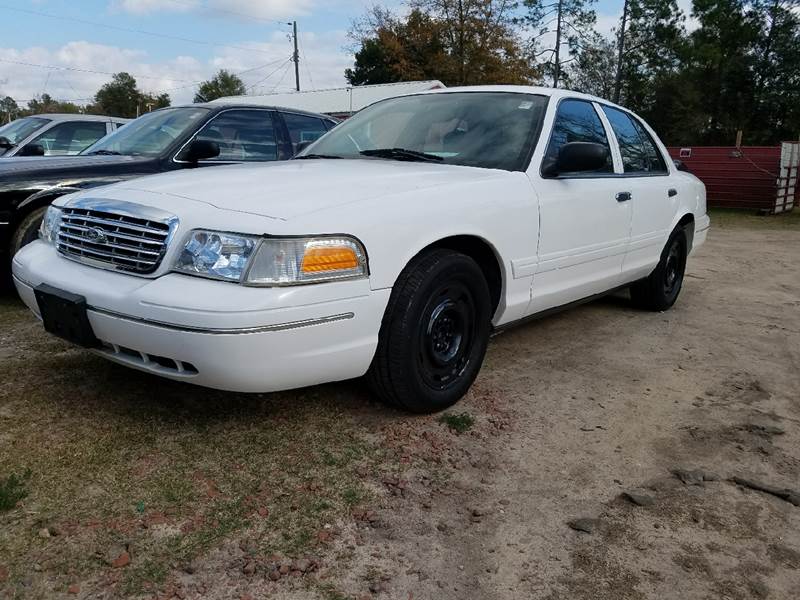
<point>623,196</point>
<point>672,192</point>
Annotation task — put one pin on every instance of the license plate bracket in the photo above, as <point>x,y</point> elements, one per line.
<point>64,315</point>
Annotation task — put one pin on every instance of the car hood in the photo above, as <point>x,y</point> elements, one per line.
<point>298,187</point>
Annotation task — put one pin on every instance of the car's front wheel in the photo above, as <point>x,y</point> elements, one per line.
<point>660,290</point>
<point>28,230</point>
<point>434,334</point>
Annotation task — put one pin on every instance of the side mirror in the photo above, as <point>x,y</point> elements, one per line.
<point>576,157</point>
<point>5,142</point>
<point>302,146</point>
<point>32,150</point>
<point>201,150</point>
<point>680,165</point>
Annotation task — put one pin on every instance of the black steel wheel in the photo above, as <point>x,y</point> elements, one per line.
<point>434,334</point>
<point>661,289</point>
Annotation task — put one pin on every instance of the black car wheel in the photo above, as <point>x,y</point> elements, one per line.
<point>434,334</point>
<point>660,290</point>
<point>28,230</point>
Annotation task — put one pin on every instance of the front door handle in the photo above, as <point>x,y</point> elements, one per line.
<point>672,192</point>
<point>623,196</point>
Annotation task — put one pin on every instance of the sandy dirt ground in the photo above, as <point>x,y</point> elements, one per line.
<point>571,413</point>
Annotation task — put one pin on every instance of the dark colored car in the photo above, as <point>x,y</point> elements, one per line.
<point>197,135</point>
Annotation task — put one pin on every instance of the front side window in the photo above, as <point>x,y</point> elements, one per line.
<point>242,135</point>
<point>577,121</point>
<point>303,128</point>
<point>492,130</point>
<point>18,130</point>
<point>151,134</point>
<point>70,138</point>
<point>634,159</point>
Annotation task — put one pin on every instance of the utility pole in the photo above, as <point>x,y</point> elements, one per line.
<point>296,57</point>
<point>557,72</point>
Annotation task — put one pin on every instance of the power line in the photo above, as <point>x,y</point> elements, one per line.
<point>131,30</point>
<point>262,80</point>
<point>80,70</point>
<point>305,63</point>
<point>228,11</point>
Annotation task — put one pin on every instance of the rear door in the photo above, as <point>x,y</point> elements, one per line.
<point>303,128</point>
<point>654,197</point>
<point>584,227</point>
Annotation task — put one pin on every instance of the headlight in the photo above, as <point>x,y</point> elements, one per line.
<point>261,261</point>
<point>217,255</point>
<point>51,222</point>
<point>290,261</point>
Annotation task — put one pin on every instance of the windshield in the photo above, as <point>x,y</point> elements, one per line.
<point>18,130</point>
<point>493,130</point>
<point>150,134</point>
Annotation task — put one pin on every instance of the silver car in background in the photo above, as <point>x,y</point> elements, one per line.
<point>54,134</point>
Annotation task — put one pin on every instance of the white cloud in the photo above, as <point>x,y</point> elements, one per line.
<point>241,9</point>
<point>322,65</point>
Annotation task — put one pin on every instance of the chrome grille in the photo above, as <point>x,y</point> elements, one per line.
<point>112,240</point>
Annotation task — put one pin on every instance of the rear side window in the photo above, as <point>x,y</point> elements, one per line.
<point>242,135</point>
<point>654,157</point>
<point>303,128</point>
<point>578,121</point>
<point>70,138</point>
<point>634,159</point>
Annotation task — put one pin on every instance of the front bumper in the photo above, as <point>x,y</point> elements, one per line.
<point>218,334</point>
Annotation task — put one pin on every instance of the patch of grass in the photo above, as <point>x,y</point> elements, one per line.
<point>13,489</point>
<point>735,218</point>
<point>459,423</point>
<point>329,592</point>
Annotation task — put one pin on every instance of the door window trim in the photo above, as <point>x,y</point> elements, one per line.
<point>270,111</point>
<point>656,145</point>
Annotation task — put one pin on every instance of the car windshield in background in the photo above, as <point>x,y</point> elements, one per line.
<point>150,134</point>
<point>18,130</point>
<point>493,130</point>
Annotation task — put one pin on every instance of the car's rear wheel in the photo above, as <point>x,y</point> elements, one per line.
<point>660,290</point>
<point>434,334</point>
<point>28,230</point>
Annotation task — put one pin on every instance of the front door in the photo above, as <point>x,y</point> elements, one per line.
<point>584,217</point>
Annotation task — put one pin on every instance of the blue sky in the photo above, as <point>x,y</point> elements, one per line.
<point>241,35</point>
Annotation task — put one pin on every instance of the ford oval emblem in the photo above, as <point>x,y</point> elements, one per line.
<point>97,235</point>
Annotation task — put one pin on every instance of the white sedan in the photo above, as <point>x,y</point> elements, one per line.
<point>392,247</point>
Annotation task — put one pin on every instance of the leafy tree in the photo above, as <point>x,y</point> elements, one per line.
<point>224,83</point>
<point>456,41</point>
<point>46,104</point>
<point>568,23</point>
<point>594,67</point>
<point>121,98</point>
<point>8,109</point>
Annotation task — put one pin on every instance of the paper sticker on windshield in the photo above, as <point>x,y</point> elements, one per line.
<point>525,105</point>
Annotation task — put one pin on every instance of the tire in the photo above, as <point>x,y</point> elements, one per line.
<point>661,288</point>
<point>434,333</point>
<point>27,231</point>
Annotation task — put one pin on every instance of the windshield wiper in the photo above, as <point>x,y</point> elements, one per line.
<point>305,156</point>
<point>402,154</point>
<point>106,153</point>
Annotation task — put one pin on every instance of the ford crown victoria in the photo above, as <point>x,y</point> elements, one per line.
<point>392,247</point>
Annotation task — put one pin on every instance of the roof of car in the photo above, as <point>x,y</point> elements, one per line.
<point>218,106</point>
<point>522,89</point>
<point>77,117</point>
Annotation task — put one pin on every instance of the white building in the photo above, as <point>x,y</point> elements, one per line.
<point>337,102</point>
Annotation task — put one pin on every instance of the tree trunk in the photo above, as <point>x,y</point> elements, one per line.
<point>557,55</point>
<point>620,53</point>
